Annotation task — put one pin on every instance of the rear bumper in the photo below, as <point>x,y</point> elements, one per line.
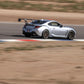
<point>32,33</point>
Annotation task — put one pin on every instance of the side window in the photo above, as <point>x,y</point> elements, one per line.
<point>53,24</point>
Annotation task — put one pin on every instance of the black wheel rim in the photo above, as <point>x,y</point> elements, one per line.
<point>46,34</point>
<point>71,35</point>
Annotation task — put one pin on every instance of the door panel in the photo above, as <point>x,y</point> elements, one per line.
<point>60,31</point>
<point>56,29</point>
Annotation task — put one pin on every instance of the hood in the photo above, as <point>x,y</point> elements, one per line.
<point>68,28</point>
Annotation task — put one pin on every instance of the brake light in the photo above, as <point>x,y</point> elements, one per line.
<point>37,26</point>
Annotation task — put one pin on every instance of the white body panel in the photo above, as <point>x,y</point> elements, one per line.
<point>54,31</point>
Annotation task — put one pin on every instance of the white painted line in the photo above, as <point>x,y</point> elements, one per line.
<point>62,40</point>
<point>19,40</point>
<point>9,40</point>
<point>45,39</point>
<point>59,39</point>
<point>78,40</point>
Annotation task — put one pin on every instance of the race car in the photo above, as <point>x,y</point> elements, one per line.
<point>47,28</point>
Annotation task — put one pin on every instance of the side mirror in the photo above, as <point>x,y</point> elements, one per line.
<point>19,20</point>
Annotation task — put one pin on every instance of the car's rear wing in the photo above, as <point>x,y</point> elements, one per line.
<point>26,20</point>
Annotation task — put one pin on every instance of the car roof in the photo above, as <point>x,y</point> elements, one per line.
<point>42,20</point>
<point>45,21</point>
<point>48,20</point>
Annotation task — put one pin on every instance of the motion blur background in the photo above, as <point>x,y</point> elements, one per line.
<point>58,62</point>
<point>64,11</point>
<point>45,5</point>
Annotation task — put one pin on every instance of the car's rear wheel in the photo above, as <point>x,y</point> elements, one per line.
<point>71,35</point>
<point>45,34</point>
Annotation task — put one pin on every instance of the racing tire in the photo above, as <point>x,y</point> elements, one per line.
<point>45,34</point>
<point>27,35</point>
<point>71,35</point>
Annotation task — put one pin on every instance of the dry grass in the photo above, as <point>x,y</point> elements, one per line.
<point>34,46</point>
<point>55,5</point>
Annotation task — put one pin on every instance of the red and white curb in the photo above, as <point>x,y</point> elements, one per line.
<point>25,40</point>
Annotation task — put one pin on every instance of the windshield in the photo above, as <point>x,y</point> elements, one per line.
<point>39,22</point>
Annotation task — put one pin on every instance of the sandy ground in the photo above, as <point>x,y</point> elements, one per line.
<point>54,63</point>
<point>64,18</point>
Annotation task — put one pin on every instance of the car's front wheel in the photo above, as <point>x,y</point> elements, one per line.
<point>45,34</point>
<point>71,35</point>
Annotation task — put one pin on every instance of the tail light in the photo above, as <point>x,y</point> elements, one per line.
<point>25,25</point>
<point>37,26</point>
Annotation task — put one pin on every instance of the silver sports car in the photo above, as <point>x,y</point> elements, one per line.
<point>47,28</point>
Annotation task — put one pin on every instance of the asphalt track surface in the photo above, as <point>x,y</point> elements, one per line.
<point>14,31</point>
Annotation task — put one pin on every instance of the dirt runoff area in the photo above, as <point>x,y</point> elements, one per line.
<point>42,63</point>
<point>62,17</point>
